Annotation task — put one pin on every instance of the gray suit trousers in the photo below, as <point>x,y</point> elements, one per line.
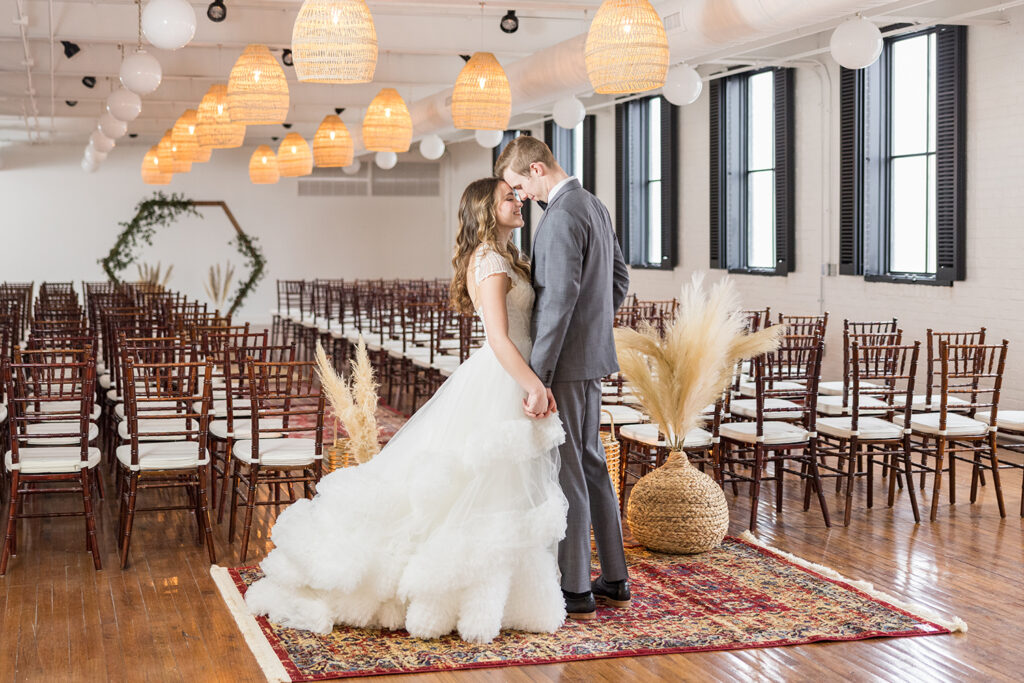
<point>583,475</point>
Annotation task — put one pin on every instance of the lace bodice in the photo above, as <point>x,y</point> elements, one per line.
<point>518,301</point>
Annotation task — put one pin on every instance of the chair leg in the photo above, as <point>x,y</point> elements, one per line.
<point>994,460</point>
<point>907,468</point>
<point>952,473</point>
<point>235,480</point>
<point>755,485</point>
<point>250,506</point>
<point>940,453</point>
<point>870,478</point>
<point>850,473</point>
<point>91,544</point>
<point>133,487</point>
<point>812,462</point>
<point>204,513</point>
<point>225,479</point>
<point>12,521</point>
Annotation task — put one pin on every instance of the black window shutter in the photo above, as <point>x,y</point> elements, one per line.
<point>950,127</point>
<point>785,180</point>
<point>549,134</point>
<point>669,174</point>
<point>621,175</point>
<point>851,223</point>
<point>717,185</point>
<point>589,155</point>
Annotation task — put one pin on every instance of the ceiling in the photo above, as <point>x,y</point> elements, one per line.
<point>420,42</point>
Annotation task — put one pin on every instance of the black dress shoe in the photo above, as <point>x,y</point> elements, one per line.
<point>611,593</point>
<point>580,605</point>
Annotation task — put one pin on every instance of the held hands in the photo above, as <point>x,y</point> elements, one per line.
<point>540,403</point>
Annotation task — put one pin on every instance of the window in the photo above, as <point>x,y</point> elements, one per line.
<point>646,149</point>
<point>574,149</point>
<point>902,192</point>
<point>751,126</point>
<point>521,237</point>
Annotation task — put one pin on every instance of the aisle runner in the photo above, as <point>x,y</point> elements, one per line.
<point>741,595</point>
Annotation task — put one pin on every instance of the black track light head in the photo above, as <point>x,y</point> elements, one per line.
<point>466,58</point>
<point>70,49</point>
<point>287,126</point>
<point>71,103</point>
<point>286,57</point>
<point>133,135</point>
<point>217,12</point>
<point>274,138</point>
<point>338,110</point>
<point>88,81</point>
<point>509,23</point>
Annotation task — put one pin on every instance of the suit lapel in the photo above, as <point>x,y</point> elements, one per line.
<point>570,186</point>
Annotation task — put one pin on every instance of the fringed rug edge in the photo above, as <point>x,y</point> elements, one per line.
<point>258,644</point>
<point>953,625</point>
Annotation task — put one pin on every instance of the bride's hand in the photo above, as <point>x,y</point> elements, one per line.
<point>536,402</point>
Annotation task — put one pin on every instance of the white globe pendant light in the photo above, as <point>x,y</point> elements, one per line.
<point>569,112</point>
<point>89,165</point>
<point>124,105</point>
<point>856,43</point>
<point>385,160</point>
<point>488,138</point>
<point>92,153</point>
<point>111,127</point>
<point>101,142</point>
<point>682,85</point>
<point>432,147</point>
<point>353,168</point>
<point>141,73</point>
<point>169,24</point>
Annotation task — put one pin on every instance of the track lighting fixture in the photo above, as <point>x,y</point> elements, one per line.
<point>286,125</point>
<point>70,49</point>
<point>88,81</point>
<point>338,110</point>
<point>217,12</point>
<point>509,23</point>
<point>71,103</point>
<point>466,58</point>
<point>286,57</point>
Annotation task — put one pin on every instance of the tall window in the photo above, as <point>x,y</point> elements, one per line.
<point>646,142</point>
<point>574,149</point>
<point>522,236</point>
<point>752,222</point>
<point>902,192</point>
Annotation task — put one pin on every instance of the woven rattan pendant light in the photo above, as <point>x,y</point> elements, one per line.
<point>332,144</point>
<point>202,155</point>
<point>387,126</point>
<point>626,49</point>
<point>165,151</point>
<point>294,158</point>
<point>183,136</point>
<point>334,41</point>
<point>257,89</point>
<point>482,99</point>
<point>152,174</point>
<point>214,127</point>
<point>263,167</point>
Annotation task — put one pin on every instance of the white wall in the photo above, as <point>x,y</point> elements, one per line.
<point>57,221</point>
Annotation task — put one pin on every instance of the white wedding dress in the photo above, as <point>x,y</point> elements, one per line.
<point>454,525</point>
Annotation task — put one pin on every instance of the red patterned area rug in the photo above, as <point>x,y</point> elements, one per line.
<point>741,595</point>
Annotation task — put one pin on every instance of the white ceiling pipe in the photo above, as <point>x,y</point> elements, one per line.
<point>703,25</point>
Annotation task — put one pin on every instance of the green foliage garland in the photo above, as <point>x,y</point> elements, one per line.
<point>161,210</point>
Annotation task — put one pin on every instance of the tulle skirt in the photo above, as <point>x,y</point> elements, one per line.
<point>454,525</point>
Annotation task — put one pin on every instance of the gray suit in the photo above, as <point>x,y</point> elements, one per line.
<point>580,280</point>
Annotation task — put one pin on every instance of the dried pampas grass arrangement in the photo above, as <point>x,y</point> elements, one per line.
<point>354,403</point>
<point>151,275</point>
<point>675,375</point>
<point>218,284</point>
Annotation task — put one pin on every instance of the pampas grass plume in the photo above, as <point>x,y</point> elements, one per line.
<point>354,406</point>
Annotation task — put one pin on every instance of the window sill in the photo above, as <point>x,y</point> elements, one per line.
<point>757,271</point>
<point>909,280</point>
<point>643,266</point>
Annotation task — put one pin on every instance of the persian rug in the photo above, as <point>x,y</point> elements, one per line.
<point>741,595</point>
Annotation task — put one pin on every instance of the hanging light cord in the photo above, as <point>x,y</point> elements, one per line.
<point>138,4</point>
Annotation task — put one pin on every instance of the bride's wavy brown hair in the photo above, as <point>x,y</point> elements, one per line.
<point>479,225</point>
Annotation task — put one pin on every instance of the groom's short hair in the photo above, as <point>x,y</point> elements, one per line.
<point>520,153</point>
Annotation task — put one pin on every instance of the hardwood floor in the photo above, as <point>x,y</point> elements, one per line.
<point>162,619</point>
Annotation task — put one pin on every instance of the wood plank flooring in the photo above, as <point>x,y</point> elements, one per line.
<point>162,619</point>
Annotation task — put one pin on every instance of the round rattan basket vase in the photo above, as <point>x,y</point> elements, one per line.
<point>678,509</point>
<point>338,456</point>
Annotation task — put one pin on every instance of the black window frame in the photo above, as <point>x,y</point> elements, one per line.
<point>562,142</point>
<point>631,207</point>
<point>864,187</point>
<point>526,232</point>
<point>728,130</point>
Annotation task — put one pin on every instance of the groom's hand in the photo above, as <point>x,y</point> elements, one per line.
<point>535,404</point>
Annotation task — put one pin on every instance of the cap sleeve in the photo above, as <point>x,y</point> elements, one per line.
<point>490,263</point>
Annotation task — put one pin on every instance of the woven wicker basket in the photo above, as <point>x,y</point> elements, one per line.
<point>678,509</point>
<point>338,456</point>
<point>613,456</point>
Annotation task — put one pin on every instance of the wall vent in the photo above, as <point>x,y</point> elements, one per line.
<point>407,179</point>
<point>674,22</point>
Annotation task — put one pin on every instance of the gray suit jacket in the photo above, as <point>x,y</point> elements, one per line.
<point>580,280</point>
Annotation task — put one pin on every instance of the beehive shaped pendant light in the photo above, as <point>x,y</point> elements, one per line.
<point>257,89</point>
<point>214,127</point>
<point>294,158</point>
<point>332,144</point>
<point>183,136</point>
<point>482,99</point>
<point>626,49</point>
<point>387,126</point>
<point>334,41</point>
<point>152,173</point>
<point>263,166</point>
<point>168,159</point>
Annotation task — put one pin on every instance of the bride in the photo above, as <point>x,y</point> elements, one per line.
<point>454,525</point>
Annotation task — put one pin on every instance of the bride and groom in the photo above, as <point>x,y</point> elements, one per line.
<point>477,515</point>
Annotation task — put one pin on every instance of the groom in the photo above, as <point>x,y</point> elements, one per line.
<point>580,280</point>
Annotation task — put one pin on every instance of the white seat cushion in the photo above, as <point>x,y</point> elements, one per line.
<point>868,428</point>
<point>450,363</point>
<point>241,407</point>
<point>156,455</point>
<point>833,405</point>
<point>148,406</point>
<point>775,432</point>
<point>620,415</point>
<point>243,428</point>
<point>921,403</point>
<point>748,408</point>
<point>279,452</point>
<point>57,428</point>
<point>3,413</point>
<point>956,425</point>
<point>836,388</point>
<point>1009,420</point>
<point>750,388</point>
<point>67,407</point>
<point>112,395</point>
<point>105,381</point>
<point>648,434</point>
<point>147,427</point>
<point>51,460</point>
